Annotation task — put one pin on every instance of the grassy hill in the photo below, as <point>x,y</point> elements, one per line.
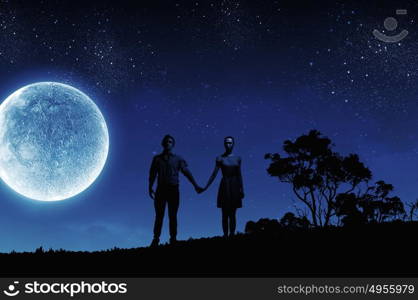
<point>371,250</point>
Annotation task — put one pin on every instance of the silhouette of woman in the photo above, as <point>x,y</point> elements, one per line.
<point>231,190</point>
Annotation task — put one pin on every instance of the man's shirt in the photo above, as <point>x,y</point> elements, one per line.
<point>167,166</point>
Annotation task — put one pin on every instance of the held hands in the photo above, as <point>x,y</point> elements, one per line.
<point>199,189</point>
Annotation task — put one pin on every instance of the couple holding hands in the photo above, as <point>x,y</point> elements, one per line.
<point>166,167</point>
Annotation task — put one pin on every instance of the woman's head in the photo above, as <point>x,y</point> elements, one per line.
<point>229,143</point>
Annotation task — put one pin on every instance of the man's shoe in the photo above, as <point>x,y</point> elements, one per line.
<point>155,242</point>
<point>173,241</point>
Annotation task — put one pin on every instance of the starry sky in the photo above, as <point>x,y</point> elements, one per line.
<point>261,71</point>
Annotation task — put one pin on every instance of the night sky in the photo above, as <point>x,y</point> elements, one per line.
<point>261,71</point>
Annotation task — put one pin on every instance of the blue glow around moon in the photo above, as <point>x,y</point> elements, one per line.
<point>53,141</point>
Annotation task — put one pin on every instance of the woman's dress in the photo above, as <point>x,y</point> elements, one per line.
<point>230,189</point>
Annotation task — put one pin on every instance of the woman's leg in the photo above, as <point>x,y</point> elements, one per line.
<point>225,221</point>
<point>232,221</point>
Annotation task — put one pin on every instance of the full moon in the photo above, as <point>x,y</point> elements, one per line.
<point>53,141</point>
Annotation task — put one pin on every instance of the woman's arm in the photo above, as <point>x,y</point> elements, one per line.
<point>214,173</point>
<point>240,178</point>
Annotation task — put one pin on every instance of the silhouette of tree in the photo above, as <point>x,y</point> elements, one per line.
<point>413,210</point>
<point>317,174</point>
<point>250,227</point>
<point>377,206</point>
<point>289,220</point>
<point>373,206</point>
<point>263,225</point>
<point>347,208</point>
<point>39,250</point>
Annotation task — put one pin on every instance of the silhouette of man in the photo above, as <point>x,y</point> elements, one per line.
<point>167,166</point>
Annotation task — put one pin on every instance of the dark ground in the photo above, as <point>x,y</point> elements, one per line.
<point>372,250</point>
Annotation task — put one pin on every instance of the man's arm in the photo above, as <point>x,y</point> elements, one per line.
<point>152,176</point>
<point>186,172</point>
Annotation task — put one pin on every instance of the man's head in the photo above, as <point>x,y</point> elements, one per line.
<point>229,143</point>
<point>168,142</point>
